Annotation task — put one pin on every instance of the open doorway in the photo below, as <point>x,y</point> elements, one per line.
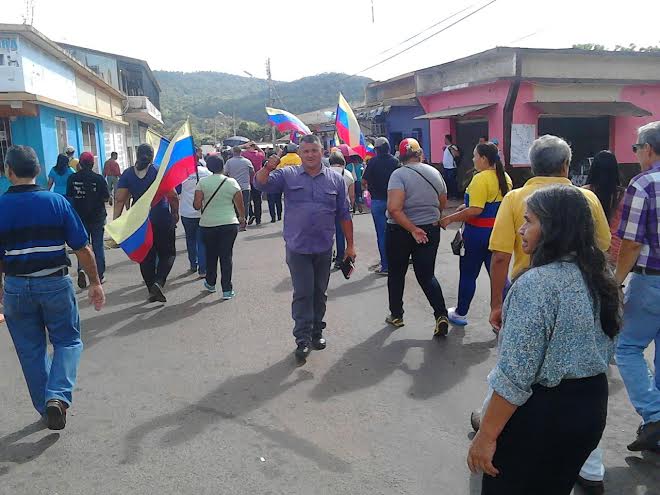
<point>467,137</point>
<point>5,139</point>
<point>586,135</point>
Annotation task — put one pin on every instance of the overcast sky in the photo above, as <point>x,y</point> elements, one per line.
<point>306,38</point>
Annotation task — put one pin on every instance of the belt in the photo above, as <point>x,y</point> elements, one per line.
<point>646,271</point>
<point>481,222</point>
<point>59,273</point>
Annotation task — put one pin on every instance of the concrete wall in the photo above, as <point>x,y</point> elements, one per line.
<point>107,66</point>
<point>625,135</point>
<point>11,69</point>
<point>377,92</point>
<point>46,76</point>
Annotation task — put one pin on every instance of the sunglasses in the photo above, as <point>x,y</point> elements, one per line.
<point>638,146</point>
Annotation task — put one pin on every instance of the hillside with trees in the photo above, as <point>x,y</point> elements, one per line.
<point>219,103</point>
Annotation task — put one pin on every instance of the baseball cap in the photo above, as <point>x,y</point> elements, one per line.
<point>496,141</point>
<point>407,145</point>
<point>380,142</point>
<point>86,157</point>
<point>69,149</point>
<point>291,148</point>
<point>346,150</point>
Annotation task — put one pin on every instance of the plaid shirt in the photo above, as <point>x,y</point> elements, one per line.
<point>639,219</point>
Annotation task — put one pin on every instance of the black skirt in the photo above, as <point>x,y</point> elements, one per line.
<point>548,439</point>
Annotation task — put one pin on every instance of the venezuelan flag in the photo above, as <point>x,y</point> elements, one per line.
<point>132,231</point>
<point>159,144</point>
<point>370,151</point>
<point>285,121</point>
<point>348,128</point>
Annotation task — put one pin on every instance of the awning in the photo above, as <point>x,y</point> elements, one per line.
<point>590,108</point>
<point>454,112</point>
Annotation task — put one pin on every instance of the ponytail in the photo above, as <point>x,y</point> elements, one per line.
<point>492,154</point>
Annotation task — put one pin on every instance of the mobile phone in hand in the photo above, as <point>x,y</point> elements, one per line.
<point>347,267</point>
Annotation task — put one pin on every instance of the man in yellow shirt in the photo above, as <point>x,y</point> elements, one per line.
<point>290,157</point>
<point>550,157</point>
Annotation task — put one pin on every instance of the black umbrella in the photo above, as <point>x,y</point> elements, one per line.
<point>235,141</point>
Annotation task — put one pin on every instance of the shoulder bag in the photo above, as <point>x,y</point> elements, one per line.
<point>206,205</point>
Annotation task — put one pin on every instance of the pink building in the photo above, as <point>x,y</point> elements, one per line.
<point>594,99</point>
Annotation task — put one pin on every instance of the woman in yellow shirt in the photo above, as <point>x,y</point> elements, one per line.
<point>482,200</point>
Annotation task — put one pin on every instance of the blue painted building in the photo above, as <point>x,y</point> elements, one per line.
<point>390,109</point>
<point>49,100</point>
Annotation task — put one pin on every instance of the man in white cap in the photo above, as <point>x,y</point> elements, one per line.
<point>375,179</point>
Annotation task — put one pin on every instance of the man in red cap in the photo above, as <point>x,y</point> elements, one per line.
<point>88,193</point>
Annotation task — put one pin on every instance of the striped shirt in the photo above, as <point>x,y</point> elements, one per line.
<point>35,228</point>
<point>639,217</point>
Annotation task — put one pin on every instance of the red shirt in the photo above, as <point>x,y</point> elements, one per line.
<point>256,158</point>
<point>111,168</point>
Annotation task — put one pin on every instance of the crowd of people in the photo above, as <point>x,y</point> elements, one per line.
<point>557,255</point>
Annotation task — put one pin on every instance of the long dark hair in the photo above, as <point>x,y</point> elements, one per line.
<point>605,181</point>
<point>492,154</point>
<point>567,231</point>
<point>62,164</point>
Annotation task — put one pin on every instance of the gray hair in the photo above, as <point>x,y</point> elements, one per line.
<point>548,155</point>
<point>310,139</point>
<point>650,134</point>
<point>336,158</point>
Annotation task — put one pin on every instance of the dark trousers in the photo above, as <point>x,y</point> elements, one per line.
<point>449,175</point>
<point>548,439</point>
<point>400,246</point>
<point>159,261</point>
<point>246,201</point>
<point>275,205</point>
<point>255,206</point>
<point>219,242</point>
<point>310,274</point>
<point>95,231</point>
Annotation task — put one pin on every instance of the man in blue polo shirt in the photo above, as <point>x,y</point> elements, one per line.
<point>164,216</point>
<point>35,227</point>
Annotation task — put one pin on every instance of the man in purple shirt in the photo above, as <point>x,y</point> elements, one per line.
<point>640,253</point>
<point>314,196</point>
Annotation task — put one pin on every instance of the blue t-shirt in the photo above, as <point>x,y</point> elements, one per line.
<point>60,181</point>
<point>4,184</point>
<point>35,227</point>
<point>160,212</point>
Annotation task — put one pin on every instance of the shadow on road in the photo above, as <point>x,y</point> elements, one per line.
<point>641,476</point>
<point>19,453</point>
<point>233,399</point>
<point>270,235</point>
<point>372,361</point>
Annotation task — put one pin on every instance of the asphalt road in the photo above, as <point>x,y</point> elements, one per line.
<point>203,396</point>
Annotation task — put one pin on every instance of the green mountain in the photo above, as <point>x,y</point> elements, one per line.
<point>241,100</point>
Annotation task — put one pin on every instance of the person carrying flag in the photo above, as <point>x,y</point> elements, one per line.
<point>164,216</point>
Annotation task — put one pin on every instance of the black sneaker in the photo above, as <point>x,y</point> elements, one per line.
<point>251,220</point>
<point>648,437</point>
<point>302,352</point>
<point>441,326</point>
<point>156,294</point>
<point>55,414</point>
<point>82,280</point>
<point>272,220</point>
<point>319,343</point>
<point>590,487</point>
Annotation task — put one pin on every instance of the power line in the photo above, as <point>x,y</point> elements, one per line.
<point>421,41</point>
<point>426,29</point>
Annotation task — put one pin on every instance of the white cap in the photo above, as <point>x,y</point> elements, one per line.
<point>69,149</point>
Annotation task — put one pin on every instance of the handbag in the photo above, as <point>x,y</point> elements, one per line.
<point>458,244</point>
<point>213,196</point>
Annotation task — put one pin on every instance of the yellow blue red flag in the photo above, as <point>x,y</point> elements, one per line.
<point>348,128</point>
<point>132,231</point>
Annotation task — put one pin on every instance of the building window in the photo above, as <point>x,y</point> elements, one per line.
<point>60,126</point>
<point>2,59</point>
<point>89,138</point>
<point>418,134</point>
<point>378,129</point>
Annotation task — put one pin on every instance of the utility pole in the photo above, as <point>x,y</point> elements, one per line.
<point>271,98</point>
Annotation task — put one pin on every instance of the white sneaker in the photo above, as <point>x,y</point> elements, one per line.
<point>455,318</point>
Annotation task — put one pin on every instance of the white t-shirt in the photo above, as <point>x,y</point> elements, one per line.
<point>187,195</point>
<point>448,158</point>
<point>348,176</point>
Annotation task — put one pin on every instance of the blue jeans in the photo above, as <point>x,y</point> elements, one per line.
<point>476,254</point>
<point>194,244</point>
<point>450,180</point>
<point>32,306</point>
<point>340,241</point>
<point>641,326</point>
<point>95,232</point>
<point>378,209</point>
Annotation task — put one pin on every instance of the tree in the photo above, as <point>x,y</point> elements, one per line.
<point>632,47</point>
<point>589,46</point>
